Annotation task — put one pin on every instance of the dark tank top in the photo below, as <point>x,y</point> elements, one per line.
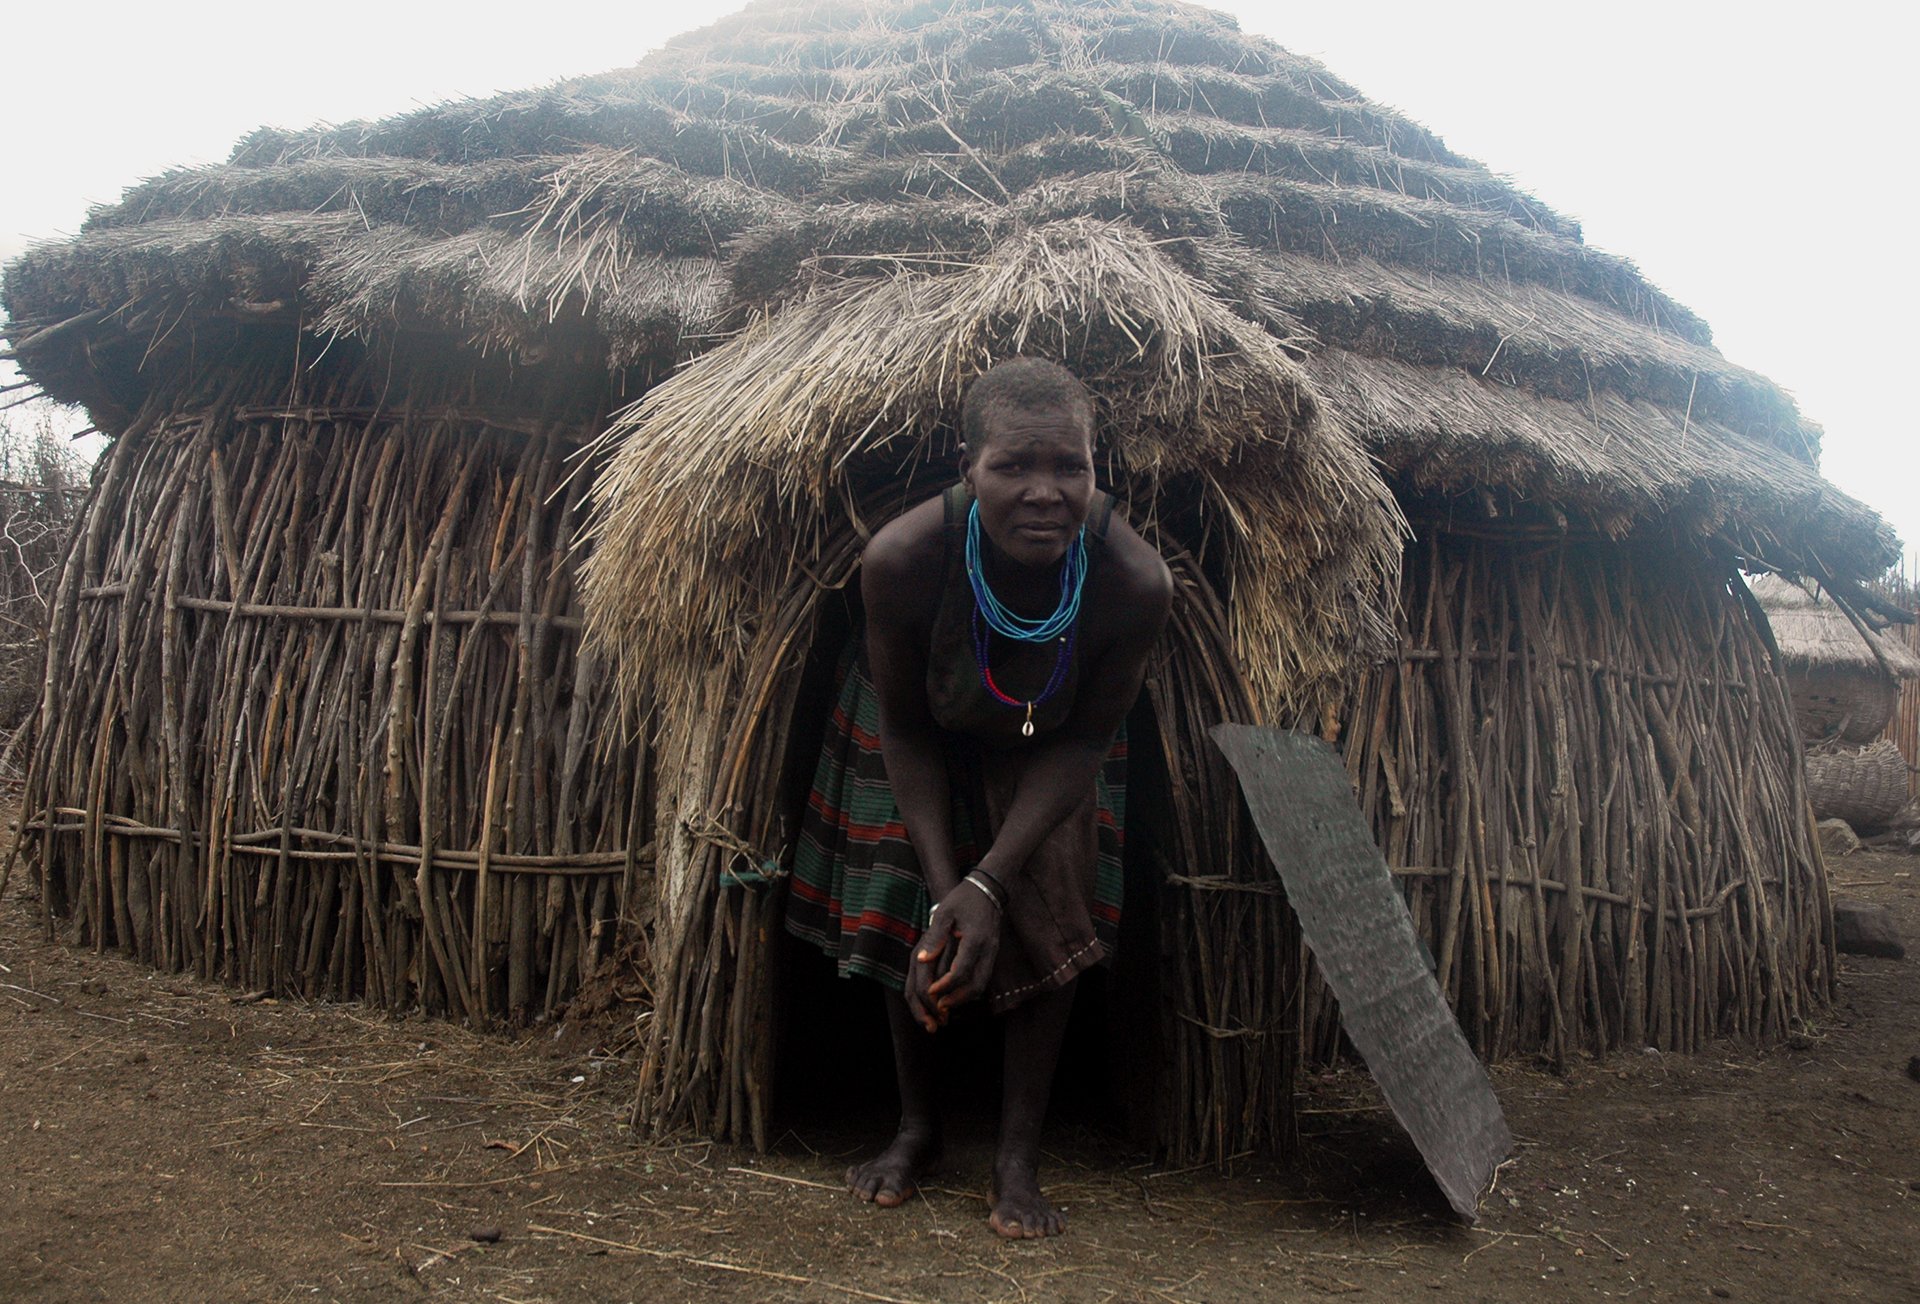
<point>958,699</point>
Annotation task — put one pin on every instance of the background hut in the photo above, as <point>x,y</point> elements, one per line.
<point>338,737</point>
<point>1898,591</point>
<point>1844,678</point>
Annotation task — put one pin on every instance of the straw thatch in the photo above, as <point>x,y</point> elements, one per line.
<point>764,434</point>
<point>1453,323</point>
<point>814,222</point>
<point>1812,632</point>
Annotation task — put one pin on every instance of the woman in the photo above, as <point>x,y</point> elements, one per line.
<point>1008,626</point>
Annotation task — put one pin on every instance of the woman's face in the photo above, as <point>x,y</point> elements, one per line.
<point>1033,478</point>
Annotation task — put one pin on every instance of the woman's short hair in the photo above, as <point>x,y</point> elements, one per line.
<point>1022,385</point>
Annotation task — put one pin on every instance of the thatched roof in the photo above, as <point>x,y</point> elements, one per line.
<point>754,442</point>
<point>1813,633</point>
<point>1458,328</point>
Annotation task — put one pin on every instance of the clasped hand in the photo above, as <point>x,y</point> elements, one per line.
<point>954,957</point>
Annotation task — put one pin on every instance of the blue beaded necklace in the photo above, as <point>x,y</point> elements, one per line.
<point>989,612</point>
<point>1073,576</point>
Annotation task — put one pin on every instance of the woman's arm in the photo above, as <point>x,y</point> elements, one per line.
<point>1056,781</point>
<point>910,746</point>
<point>894,590</point>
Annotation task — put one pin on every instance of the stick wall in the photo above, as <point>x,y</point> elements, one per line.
<point>1583,767</point>
<point>315,720</point>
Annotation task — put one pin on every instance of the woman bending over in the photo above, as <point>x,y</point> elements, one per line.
<point>963,835</point>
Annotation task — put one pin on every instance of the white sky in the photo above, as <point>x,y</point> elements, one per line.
<point>1750,157</point>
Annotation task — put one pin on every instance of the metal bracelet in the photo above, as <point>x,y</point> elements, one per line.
<point>999,888</point>
<point>986,891</point>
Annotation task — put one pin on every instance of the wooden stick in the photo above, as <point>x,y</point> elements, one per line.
<point>719,1265</point>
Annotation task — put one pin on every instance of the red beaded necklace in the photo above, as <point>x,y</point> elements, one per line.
<point>1061,661</point>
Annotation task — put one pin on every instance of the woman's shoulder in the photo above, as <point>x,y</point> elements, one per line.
<point>909,540</point>
<point>1135,572</point>
<point>900,567</point>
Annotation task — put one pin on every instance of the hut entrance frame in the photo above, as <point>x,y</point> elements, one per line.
<point>1222,946</point>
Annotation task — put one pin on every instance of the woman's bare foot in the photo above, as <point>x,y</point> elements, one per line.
<point>1020,1212</point>
<point>892,1177</point>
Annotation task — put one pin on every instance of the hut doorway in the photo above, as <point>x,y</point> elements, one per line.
<point>1222,948</point>
<point>832,1069</point>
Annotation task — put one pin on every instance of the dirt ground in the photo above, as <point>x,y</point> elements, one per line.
<point>171,1140</point>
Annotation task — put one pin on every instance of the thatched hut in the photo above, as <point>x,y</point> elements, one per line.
<point>340,737</point>
<point>1844,678</point>
<point>1843,675</point>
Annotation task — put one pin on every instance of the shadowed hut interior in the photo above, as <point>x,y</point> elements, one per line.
<point>1438,481</point>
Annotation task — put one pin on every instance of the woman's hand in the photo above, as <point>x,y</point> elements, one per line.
<point>936,945</point>
<point>955,955</point>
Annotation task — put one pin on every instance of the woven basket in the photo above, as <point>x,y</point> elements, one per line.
<point>1841,703</point>
<point>1865,786</point>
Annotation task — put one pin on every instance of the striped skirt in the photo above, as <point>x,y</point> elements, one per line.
<point>857,892</point>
